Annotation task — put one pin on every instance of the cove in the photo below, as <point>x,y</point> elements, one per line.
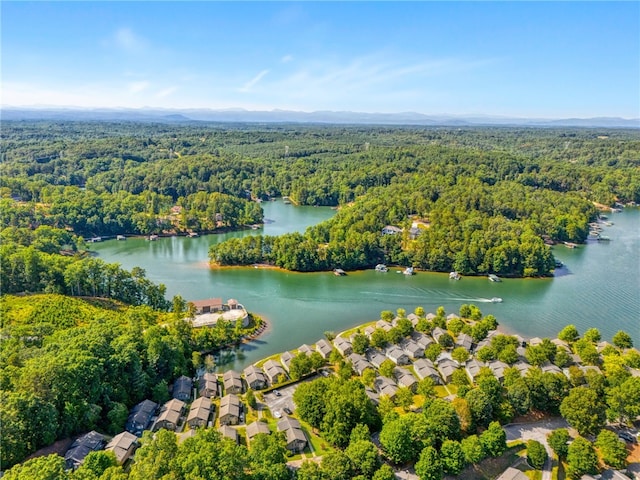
<point>598,287</point>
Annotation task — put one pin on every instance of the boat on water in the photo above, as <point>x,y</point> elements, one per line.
<point>408,271</point>
<point>455,276</point>
<point>496,300</point>
<point>381,268</point>
<point>153,238</point>
<point>192,234</point>
<point>603,238</point>
<point>338,272</point>
<point>120,237</point>
<point>494,278</point>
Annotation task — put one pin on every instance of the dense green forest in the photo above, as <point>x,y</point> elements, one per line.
<point>70,365</point>
<point>487,197</point>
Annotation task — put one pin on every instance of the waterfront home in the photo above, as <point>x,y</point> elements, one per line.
<point>396,355</point>
<point>535,341</point>
<point>285,359</point>
<point>414,319</point>
<point>232,382</point>
<point>343,346</point>
<point>385,386</point>
<point>274,371</point>
<point>208,385</point>
<point>209,305</point>
<point>391,230</point>
<point>324,348</point>
<point>523,367</point>
<point>446,367</point>
<point>140,417</point>
<point>295,437</point>
<point>473,368</point>
<point>170,414</point>
<point>182,388</point>
<point>404,378</point>
<point>368,331</point>
<point>199,412</point>
<point>230,408</point>
<point>412,349</point>
<point>81,447</point>
<point>384,325</point>
<point>122,445</point>
<point>375,357</point>
<point>255,377</point>
<point>306,349</point>
<point>359,363</point>
<point>256,428</point>
<point>452,316</point>
<point>229,432</point>
<point>465,341</point>
<point>424,368</point>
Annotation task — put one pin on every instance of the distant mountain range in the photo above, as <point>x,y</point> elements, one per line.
<point>288,116</point>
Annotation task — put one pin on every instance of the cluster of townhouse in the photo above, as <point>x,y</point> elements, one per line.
<point>408,355</point>
<point>411,365</point>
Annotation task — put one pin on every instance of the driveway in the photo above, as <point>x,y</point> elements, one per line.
<point>536,431</point>
<point>277,403</point>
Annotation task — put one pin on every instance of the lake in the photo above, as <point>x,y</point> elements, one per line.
<point>598,287</point>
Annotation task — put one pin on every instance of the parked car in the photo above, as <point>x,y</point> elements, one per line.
<point>276,393</point>
<point>277,414</point>
<point>627,436</point>
<point>287,410</point>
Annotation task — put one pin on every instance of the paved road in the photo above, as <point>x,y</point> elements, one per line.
<point>536,431</point>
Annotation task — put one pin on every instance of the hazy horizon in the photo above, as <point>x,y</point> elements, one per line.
<point>542,60</point>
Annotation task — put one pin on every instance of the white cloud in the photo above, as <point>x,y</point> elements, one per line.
<point>127,40</point>
<point>254,81</point>
<point>286,59</point>
<point>137,87</point>
<point>166,92</point>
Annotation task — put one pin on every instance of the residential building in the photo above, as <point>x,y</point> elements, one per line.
<point>295,437</point>
<point>170,415</point>
<point>208,385</point>
<point>232,382</point>
<point>123,445</point>
<point>343,346</point>
<point>199,412</point>
<point>81,447</point>
<point>230,410</point>
<point>324,348</point>
<point>229,432</point>
<point>274,371</point>
<point>424,368</point>
<point>140,417</point>
<point>182,388</point>
<point>255,378</point>
<point>257,428</point>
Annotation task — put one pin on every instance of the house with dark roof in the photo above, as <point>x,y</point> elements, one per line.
<point>285,359</point>
<point>208,385</point>
<point>81,447</point>
<point>375,357</point>
<point>295,437</point>
<point>182,388</point>
<point>385,386</point>
<point>199,412</point>
<point>446,367</point>
<point>229,432</point>
<point>123,445</point>
<point>140,417</point>
<point>359,363</point>
<point>210,305</point>
<point>437,333</point>
<point>424,368</point>
<point>498,368</point>
<point>274,371</point>
<point>473,368</point>
<point>465,341</point>
<point>412,349</point>
<point>230,409</point>
<point>257,428</point>
<point>232,382</point>
<point>324,348</point>
<point>421,339</point>
<point>396,355</point>
<point>404,378</point>
<point>255,378</point>
<point>170,415</point>
<point>343,346</point>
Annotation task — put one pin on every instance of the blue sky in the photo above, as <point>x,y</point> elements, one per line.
<point>539,59</point>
